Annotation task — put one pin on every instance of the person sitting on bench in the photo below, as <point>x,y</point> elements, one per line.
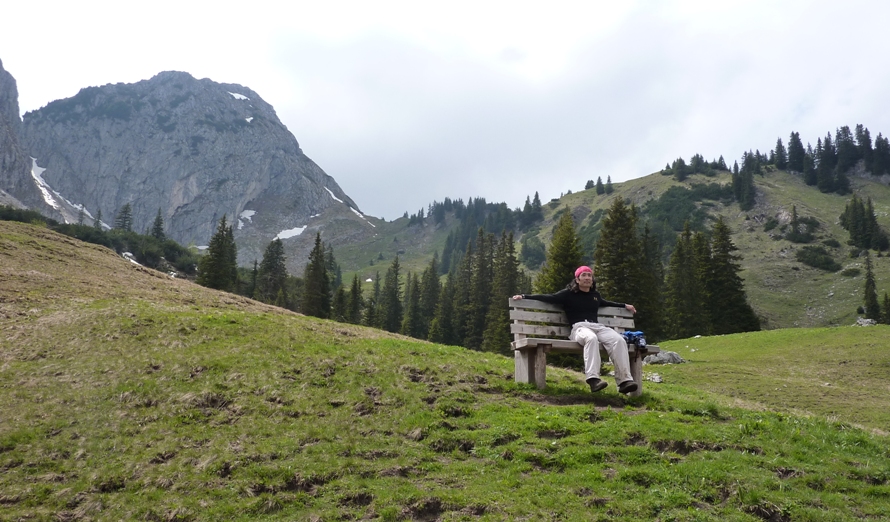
<point>580,302</point>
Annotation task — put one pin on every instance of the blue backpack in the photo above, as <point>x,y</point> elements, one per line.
<point>635,337</point>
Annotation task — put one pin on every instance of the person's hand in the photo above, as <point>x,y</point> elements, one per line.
<point>631,308</point>
<point>517,297</point>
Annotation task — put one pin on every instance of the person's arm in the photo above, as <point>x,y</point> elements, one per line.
<point>626,306</point>
<point>557,298</point>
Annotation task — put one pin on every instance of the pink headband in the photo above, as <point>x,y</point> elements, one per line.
<point>581,270</point>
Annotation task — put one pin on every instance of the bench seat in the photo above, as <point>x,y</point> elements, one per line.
<point>540,328</point>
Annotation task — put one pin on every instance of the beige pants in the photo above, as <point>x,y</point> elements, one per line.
<point>590,335</point>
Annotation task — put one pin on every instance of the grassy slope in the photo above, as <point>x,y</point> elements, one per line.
<point>784,292</point>
<point>126,395</point>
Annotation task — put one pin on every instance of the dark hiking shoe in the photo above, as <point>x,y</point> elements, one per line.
<point>628,386</point>
<point>596,384</point>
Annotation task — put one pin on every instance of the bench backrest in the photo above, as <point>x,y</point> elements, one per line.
<point>531,318</point>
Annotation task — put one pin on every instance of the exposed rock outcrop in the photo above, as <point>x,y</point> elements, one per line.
<point>17,187</point>
<point>196,150</point>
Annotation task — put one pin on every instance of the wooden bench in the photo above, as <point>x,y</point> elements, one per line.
<point>539,328</point>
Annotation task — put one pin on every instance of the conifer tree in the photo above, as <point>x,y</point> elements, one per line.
<point>826,155</point>
<point>97,222</point>
<point>430,288</point>
<point>81,215</point>
<point>254,273</point>
<point>589,185</point>
<point>609,188</point>
<point>881,156</point>
<point>442,327</point>
<point>684,293</point>
<point>372,307</point>
<point>701,252</point>
<point>563,257</point>
<point>863,146</point>
<point>600,188</point>
<point>354,301</point>
<point>728,305</point>
<point>872,308</point>
<point>650,312</point>
<point>496,337</point>
<point>781,156</point>
<point>461,299</point>
<point>391,299</point>
<point>217,268</point>
<point>157,228</point>
<point>810,177</point>
<point>796,153</point>
<point>338,305</point>
<point>618,254</point>
<point>272,274</point>
<point>480,291</point>
<point>124,218</point>
<point>317,284</point>
<point>412,322</point>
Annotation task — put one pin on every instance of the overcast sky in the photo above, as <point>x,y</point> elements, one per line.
<point>405,104</point>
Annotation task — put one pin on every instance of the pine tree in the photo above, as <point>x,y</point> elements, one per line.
<point>97,222</point>
<point>372,307</point>
<point>863,146</point>
<point>217,269</point>
<point>589,185</point>
<point>847,152</point>
<point>684,294</point>
<point>430,288</point>
<point>563,257</point>
<point>461,299</point>
<point>317,285</point>
<point>600,188</point>
<point>254,273</point>
<point>81,215</point>
<point>480,291</point>
<point>796,153</point>
<point>391,299</point>
<point>272,274</point>
<point>730,311</point>
<point>496,337</point>
<point>650,312</point>
<point>124,218</point>
<point>872,308</point>
<point>618,254</point>
<point>827,161</point>
<point>609,188</point>
<point>881,156</point>
<point>781,156</point>
<point>885,310</point>
<point>810,177</point>
<point>338,306</point>
<point>412,322</point>
<point>442,327</point>
<point>157,228</point>
<point>354,301</point>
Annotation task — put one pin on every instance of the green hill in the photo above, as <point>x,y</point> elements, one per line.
<point>784,292</point>
<point>127,395</point>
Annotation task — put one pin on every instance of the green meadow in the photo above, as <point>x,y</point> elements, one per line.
<point>126,395</point>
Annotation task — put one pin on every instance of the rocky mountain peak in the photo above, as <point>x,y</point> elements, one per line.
<point>196,150</point>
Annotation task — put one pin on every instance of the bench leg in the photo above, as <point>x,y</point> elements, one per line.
<point>530,366</point>
<point>636,371</point>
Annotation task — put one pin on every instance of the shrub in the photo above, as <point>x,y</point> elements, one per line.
<point>817,257</point>
<point>831,242</point>
<point>770,224</point>
<point>851,272</point>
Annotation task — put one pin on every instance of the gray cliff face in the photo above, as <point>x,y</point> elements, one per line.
<point>17,187</point>
<point>196,150</point>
